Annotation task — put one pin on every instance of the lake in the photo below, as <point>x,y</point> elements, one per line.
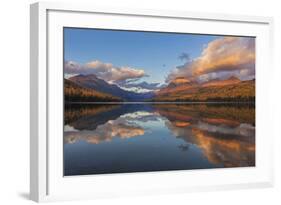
<point>123,138</point>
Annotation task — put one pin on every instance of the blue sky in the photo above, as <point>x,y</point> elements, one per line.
<point>156,53</point>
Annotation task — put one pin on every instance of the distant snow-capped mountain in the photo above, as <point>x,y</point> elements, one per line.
<point>92,81</point>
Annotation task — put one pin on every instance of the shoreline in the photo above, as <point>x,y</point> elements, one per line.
<point>200,102</point>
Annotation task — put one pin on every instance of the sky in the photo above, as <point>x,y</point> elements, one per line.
<point>129,58</point>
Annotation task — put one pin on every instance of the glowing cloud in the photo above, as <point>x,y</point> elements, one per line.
<point>226,55</point>
<point>105,71</point>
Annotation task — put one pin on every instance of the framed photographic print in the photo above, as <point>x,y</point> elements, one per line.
<point>127,102</point>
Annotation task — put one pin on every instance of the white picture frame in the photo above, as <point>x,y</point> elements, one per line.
<point>46,180</point>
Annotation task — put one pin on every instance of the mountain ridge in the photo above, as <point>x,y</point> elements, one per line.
<point>93,82</point>
<point>178,90</point>
<point>230,89</point>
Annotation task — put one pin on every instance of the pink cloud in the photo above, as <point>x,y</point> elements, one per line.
<point>105,71</point>
<point>226,54</point>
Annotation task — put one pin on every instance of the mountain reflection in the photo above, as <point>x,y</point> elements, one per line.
<point>113,128</point>
<point>224,134</point>
<point>99,123</point>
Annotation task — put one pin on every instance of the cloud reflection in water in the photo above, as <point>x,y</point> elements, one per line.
<point>225,135</point>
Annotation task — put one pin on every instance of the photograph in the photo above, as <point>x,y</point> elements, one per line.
<point>146,101</point>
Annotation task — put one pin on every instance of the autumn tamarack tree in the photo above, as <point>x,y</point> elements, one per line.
<point>76,93</point>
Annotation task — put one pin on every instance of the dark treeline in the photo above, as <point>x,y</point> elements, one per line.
<point>250,100</point>
<point>76,93</point>
<point>81,98</point>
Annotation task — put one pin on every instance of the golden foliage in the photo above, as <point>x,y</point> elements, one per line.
<point>244,91</point>
<point>74,93</point>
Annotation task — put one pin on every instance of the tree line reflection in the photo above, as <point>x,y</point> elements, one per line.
<point>225,134</point>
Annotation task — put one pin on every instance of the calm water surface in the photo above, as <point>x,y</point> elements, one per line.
<point>154,137</point>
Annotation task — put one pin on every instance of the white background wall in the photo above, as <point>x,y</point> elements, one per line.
<point>14,103</point>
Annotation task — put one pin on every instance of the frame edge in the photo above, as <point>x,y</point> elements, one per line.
<point>38,22</point>
<point>38,103</point>
<point>34,154</point>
